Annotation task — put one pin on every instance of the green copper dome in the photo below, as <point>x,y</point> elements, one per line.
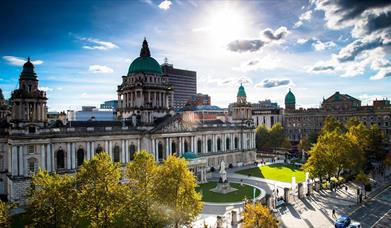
<point>145,63</point>
<point>241,92</point>
<point>290,98</point>
<point>189,156</point>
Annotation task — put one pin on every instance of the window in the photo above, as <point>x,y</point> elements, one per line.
<point>218,144</point>
<point>236,143</point>
<point>227,143</point>
<point>116,155</point>
<point>32,166</point>
<point>186,146</point>
<point>30,149</point>
<point>80,157</point>
<point>132,151</point>
<point>160,151</point>
<point>199,146</point>
<point>209,145</point>
<point>60,159</point>
<point>99,149</point>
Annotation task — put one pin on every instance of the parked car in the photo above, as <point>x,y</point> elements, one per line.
<point>342,222</point>
<point>354,225</point>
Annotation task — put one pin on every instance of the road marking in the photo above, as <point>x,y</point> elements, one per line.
<point>380,218</point>
<point>368,201</point>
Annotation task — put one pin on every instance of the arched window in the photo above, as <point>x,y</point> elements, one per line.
<point>173,148</point>
<point>99,149</point>
<point>218,144</point>
<point>132,151</point>
<point>209,145</point>
<point>236,143</point>
<point>60,159</point>
<point>199,146</point>
<point>186,146</point>
<point>80,156</point>
<point>160,151</point>
<point>116,154</point>
<point>32,166</point>
<point>227,144</point>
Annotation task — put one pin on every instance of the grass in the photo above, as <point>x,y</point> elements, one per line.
<point>243,192</point>
<point>278,172</point>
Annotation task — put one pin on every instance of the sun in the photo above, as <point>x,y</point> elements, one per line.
<point>226,25</point>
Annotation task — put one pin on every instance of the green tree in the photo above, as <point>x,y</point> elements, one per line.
<point>330,124</point>
<point>176,187</point>
<point>262,136</point>
<point>258,216</point>
<point>276,136</point>
<point>143,210</point>
<point>4,215</point>
<point>52,200</point>
<point>100,194</point>
<point>376,139</point>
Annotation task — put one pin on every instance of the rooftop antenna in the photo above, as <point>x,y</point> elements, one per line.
<point>165,60</point>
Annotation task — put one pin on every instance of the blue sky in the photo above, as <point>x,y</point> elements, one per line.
<point>82,48</point>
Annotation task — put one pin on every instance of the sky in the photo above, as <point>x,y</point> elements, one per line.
<point>81,49</point>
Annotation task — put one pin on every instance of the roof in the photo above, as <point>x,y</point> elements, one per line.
<point>189,155</point>
<point>290,98</point>
<point>28,71</point>
<point>241,91</point>
<point>145,63</point>
<point>203,108</point>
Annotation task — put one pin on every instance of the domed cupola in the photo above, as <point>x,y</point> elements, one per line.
<point>241,91</point>
<point>28,71</point>
<point>145,63</point>
<point>290,100</point>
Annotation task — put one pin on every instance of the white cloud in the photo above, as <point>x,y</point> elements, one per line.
<point>271,83</point>
<point>100,69</point>
<point>165,5</point>
<point>368,99</point>
<point>45,88</point>
<point>17,61</point>
<point>320,46</point>
<point>306,16</point>
<point>95,44</point>
<point>302,41</point>
<point>267,62</point>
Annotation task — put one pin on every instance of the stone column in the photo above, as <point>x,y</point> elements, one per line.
<point>106,146</point>
<point>74,156</point>
<point>300,190</point>
<point>68,156</point>
<point>42,158</point>
<point>167,148</point>
<point>138,144</point>
<point>123,152</point>
<point>88,151</point>
<point>153,148</point>
<point>48,158</point>
<point>126,151</point>
<point>92,149</point>
<point>111,149</point>
<point>287,195</point>
<point>54,165</point>
<point>234,221</point>
<point>20,160</point>
<point>14,164</point>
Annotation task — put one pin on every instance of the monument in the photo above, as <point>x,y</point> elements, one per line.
<point>223,185</point>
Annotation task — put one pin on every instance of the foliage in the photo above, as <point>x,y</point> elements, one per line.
<point>4,215</point>
<point>375,148</point>
<point>142,208</point>
<point>304,144</point>
<point>180,198</point>
<point>51,201</point>
<point>261,136</point>
<point>330,124</point>
<point>362,178</point>
<point>258,216</point>
<point>100,196</point>
<point>276,136</point>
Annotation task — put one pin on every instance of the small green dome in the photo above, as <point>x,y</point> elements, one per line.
<point>189,156</point>
<point>290,98</point>
<point>145,63</point>
<point>241,92</point>
<point>28,71</point>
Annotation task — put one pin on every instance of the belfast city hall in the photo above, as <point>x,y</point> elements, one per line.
<point>145,120</point>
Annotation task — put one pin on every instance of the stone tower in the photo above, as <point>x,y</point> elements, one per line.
<point>144,93</point>
<point>290,101</point>
<point>242,110</point>
<point>28,102</point>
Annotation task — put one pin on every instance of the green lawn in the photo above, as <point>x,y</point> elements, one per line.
<point>243,192</point>
<point>278,172</point>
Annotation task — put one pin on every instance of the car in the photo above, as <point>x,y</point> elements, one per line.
<point>354,225</point>
<point>342,222</point>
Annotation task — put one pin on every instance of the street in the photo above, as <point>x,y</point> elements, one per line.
<point>376,212</point>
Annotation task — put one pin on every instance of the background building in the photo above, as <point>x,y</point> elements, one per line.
<point>184,83</point>
<point>266,113</point>
<point>112,104</point>
<point>199,99</point>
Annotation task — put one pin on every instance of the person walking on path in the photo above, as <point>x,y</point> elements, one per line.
<point>333,213</point>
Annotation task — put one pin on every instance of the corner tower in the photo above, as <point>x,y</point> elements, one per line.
<point>241,108</point>
<point>290,101</point>
<point>144,93</point>
<point>28,102</point>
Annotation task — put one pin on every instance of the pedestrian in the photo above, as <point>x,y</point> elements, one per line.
<point>333,213</point>
<point>346,188</point>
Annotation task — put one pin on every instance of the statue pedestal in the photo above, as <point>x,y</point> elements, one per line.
<point>223,188</point>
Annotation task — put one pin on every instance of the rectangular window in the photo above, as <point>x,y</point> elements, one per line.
<point>30,149</point>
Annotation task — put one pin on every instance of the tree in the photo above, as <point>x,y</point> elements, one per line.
<point>258,216</point>
<point>304,144</point>
<point>375,146</point>
<point>175,186</point>
<point>331,124</point>
<point>4,215</point>
<point>276,136</point>
<point>262,136</point>
<point>52,200</point>
<point>100,196</point>
<point>143,210</point>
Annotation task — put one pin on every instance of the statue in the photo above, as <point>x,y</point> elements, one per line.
<point>223,173</point>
